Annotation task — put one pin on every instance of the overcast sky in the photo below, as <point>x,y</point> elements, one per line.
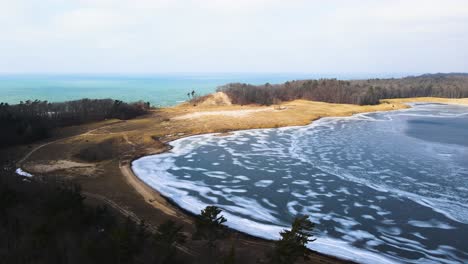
<point>154,36</point>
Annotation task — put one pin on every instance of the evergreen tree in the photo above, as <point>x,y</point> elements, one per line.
<point>293,243</point>
<point>209,225</point>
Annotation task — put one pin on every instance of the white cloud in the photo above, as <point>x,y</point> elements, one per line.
<point>92,19</point>
<point>233,35</point>
<point>421,10</point>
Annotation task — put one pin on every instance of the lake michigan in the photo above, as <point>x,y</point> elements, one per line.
<point>158,89</point>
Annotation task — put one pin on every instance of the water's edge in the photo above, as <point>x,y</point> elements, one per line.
<point>327,246</point>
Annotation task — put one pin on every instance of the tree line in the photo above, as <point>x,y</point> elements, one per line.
<point>32,120</point>
<point>361,92</point>
<point>45,220</point>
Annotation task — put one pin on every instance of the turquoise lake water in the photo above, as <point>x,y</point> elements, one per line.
<point>159,90</point>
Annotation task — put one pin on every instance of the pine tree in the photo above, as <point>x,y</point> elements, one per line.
<point>293,243</point>
<point>209,225</point>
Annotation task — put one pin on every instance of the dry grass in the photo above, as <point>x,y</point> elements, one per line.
<point>196,120</point>
<point>58,165</point>
<point>461,101</point>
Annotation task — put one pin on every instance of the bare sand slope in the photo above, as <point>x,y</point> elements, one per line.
<point>227,113</point>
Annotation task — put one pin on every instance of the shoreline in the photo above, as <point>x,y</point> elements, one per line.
<point>167,200</point>
<point>156,200</point>
<point>187,211</point>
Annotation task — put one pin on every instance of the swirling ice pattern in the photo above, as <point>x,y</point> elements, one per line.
<point>382,187</point>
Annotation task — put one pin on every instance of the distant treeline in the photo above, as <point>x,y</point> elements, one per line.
<point>33,120</point>
<point>362,92</point>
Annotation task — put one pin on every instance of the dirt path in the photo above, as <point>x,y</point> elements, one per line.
<point>133,217</point>
<point>21,161</point>
<point>125,136</point>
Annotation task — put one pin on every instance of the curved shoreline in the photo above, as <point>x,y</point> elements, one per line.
<point>331,245</point>
<point>162,204</point>
<point>165,203</point>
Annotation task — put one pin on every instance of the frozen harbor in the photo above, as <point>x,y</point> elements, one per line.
<point>382,187</point>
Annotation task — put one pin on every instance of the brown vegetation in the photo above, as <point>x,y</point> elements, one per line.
<point>104,150</point>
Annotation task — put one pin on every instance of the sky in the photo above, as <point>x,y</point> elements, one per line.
<point>164,36</point>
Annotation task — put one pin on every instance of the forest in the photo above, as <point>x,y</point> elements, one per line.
<point>361,92</point>
<point>46,220</point>
<point>34,120</point>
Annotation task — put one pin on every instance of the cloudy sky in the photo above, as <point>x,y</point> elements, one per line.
<point>155,36</point>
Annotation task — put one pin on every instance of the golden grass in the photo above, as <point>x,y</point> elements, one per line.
<point>462,101</point>
<point>298,112</point>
